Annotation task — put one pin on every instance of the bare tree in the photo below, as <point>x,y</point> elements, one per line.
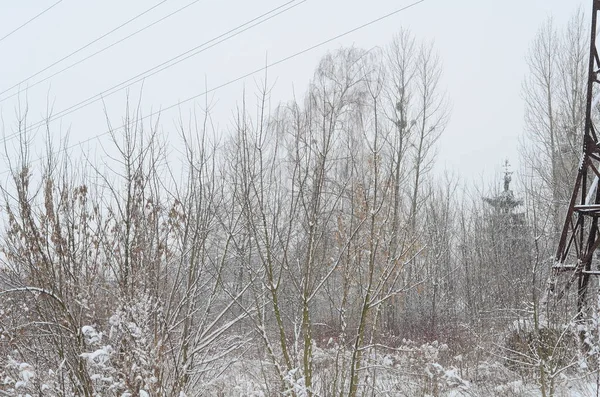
<point>419,111</point>
<point>554,93</point>
<point>121,279</point>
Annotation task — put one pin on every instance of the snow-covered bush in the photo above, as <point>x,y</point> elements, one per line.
<point>124,360</point>
<point>19,379</point>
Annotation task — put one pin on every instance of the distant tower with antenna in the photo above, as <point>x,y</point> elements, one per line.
<point>505,202</point>
<point>505,236</point>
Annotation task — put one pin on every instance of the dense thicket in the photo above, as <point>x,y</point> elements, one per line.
<point>312,242</point>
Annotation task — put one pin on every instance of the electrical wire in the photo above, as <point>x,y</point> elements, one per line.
<point>242,77</point>
<point>169,63</point>
<point>83,48</point>
<point>92,55</point>
<point>29,21</point>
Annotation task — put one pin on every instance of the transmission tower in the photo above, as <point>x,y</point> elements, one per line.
<point>580,238</point>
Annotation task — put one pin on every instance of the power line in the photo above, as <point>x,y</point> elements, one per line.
<point>82,48</point>
<point>92,55</point>
<point>169,63</point>
<point>29,21</point>
<point>262,69</point>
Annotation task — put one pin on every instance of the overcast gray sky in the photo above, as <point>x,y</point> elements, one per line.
<point>482,44</point>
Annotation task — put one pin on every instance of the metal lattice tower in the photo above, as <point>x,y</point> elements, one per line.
<point>580,235</point>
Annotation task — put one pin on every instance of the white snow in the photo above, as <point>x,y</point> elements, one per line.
<point>99,356</point>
